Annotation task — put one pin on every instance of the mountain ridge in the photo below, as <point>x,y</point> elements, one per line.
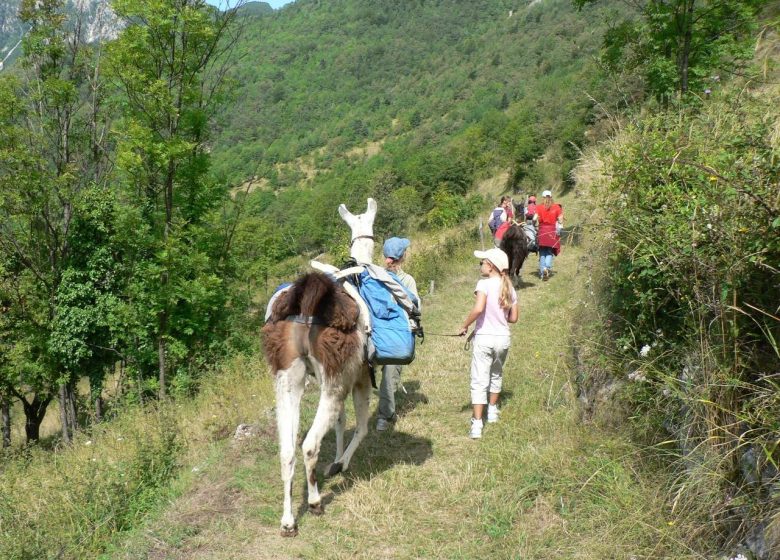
<point>99,23</point>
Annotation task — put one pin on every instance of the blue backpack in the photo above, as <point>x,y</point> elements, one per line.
<point>392,331</point>
<point>495,220</point>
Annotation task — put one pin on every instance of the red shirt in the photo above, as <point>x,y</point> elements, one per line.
<point>548,236</point>
<point>549,216</point>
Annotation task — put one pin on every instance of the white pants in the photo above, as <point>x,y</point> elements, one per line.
<point>487,365</point>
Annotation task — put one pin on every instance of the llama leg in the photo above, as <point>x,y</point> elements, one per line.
<point>340,425</point>
<point>328,412</point>
<point>360,396</point>
<point>289,390</point>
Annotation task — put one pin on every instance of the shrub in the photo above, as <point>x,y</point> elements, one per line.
<point>689,290</point>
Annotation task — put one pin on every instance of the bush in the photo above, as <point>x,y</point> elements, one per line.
<point>689,291</point>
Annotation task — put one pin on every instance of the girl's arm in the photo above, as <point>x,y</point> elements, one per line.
<point>513,314</point>
<point>476,311</point>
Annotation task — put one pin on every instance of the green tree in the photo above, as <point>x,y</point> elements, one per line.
<point>51,154</point>
<point>169,64</point>
<point>678,44</point>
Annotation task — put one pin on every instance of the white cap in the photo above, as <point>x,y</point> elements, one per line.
<point>496,256</point>
<point>547,193</point>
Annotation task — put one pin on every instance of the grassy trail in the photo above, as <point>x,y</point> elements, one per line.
<point>540,484</point>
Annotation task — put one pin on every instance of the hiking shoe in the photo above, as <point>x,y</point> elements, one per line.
<point>546,274</point>
<point>382,424</point>
<point>476,428</point>
<point>493,413</point>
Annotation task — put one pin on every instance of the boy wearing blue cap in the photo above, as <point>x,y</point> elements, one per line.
<point>394,251</point>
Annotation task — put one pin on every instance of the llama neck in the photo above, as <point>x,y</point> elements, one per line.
<point>362,250</point>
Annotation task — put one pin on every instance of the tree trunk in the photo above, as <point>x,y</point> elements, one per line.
<point>34,413</point>
<point>73,418</point>
<point>685,54</point>
<point>161,355</point>
<point>98,408</point>
<point>64,425</point>
<point>5,405</point>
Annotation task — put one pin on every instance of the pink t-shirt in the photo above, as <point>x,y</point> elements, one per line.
<point>493,318</point>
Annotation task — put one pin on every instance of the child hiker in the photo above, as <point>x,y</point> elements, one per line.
<point>494,308</point>
<point>394,251</point>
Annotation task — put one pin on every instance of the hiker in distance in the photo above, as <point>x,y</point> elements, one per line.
<point>495,307</point>
<point>394,251</point>
<point>550,220</point>
<point>500,214</point>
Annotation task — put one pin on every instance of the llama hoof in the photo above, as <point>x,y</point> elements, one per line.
<point>289,531</point>
<point>333,469</point>
<point>316,509</point>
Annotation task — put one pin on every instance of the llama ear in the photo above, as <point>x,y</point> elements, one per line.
<point>345,214</point>
<point>371,207</point>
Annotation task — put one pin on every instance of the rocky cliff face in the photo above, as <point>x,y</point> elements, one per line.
<point>98,22</point>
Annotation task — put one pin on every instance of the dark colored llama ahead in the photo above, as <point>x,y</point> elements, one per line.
<point>315,327</point>
<point>515,245</point>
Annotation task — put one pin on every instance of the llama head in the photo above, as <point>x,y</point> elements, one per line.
<point>362,226</point>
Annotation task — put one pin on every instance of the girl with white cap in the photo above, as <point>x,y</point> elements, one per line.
<point>495,307</point>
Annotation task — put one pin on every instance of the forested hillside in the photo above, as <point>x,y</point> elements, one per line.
<point>439,93</point>
<point>336,74</point>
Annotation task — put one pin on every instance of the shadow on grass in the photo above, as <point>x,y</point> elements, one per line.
<point>407,401</point>
<point>378,452</point>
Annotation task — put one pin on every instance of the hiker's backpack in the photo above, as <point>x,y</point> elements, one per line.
<point>395,316</point>
<point>530,234</point>
<point>495,219</point>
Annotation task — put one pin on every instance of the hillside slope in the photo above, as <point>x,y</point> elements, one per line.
<point>331,75</point>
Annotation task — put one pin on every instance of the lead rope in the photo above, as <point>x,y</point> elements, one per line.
<point>466,346</point>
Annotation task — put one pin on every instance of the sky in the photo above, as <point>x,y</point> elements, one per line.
<point>274,3</point>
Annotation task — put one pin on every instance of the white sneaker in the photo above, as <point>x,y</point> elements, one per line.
<point>382,424</point>
<point>476,428</point>
<point>493,413</point>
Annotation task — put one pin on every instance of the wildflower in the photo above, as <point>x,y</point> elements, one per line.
<point>709,226</point>
<point>88,442</point>
<point>713,178</point>
<point>195,469</point>
<point>120,438</point>
<point>739,556</point>
<point>645,350</point>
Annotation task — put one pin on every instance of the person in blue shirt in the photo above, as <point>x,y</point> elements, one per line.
<point>394,251</point>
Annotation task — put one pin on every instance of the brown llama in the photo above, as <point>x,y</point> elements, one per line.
<point>315,327</point>
<point>515,245</point>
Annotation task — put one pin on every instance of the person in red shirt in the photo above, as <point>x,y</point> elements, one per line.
<point>550,216</point>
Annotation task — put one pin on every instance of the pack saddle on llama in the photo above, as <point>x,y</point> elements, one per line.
<point>320,326</point>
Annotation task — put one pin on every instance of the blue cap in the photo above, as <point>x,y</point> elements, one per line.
<point>395,247</point>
